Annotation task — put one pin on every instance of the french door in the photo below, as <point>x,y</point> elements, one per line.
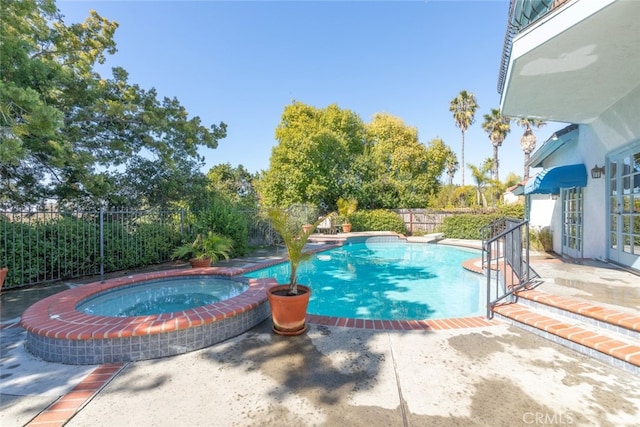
<point>572,227</point>
<point>624,206</point>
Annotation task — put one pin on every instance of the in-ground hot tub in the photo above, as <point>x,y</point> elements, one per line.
<point>58,332</point>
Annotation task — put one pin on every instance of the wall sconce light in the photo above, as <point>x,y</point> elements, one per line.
<point>597,172</point>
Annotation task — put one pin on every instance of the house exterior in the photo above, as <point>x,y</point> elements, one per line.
<point>578,62</point>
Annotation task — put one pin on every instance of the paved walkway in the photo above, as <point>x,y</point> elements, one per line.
<point>489,375</point>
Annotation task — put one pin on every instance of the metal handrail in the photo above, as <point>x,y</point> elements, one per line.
<point>505,259</point>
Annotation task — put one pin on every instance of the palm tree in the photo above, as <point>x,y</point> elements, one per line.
<point>464,108</point>
<point>528,140</point>
<point>480,175</point>
<point>497,126</point>
<point>451,164</point>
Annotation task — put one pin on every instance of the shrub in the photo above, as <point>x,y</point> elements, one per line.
<point>214,212</point>
<point>378,220</point>
<point>541,239</point>
<point>466,226</point>
<point>515,210</point>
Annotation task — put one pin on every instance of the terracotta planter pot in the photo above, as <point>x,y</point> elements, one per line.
<point>3,275</point>
<point>307,227</point>
<point>288,312</point>
<point>346,228</point>
<point>200,263</point>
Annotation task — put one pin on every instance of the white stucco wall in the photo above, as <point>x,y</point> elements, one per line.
<point>594,215</point>
<point>616,128</point>
<point>620,124</point>
<point>542,207</point>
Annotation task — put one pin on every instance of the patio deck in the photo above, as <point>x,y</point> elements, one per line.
<point>350,376</point>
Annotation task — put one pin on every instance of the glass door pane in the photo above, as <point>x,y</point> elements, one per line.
<point>572,202</point>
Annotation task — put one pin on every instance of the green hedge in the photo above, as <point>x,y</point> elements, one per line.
<point>468,226</point>
<point>377,220</point>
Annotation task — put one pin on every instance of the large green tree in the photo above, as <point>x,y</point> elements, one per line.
<point>236,183</point>
<point>325,154</point>
<point>312,161</point>
<point>463,107</point>
<point>404,171</point>
<point>68,133</point>
<point>497,127</point>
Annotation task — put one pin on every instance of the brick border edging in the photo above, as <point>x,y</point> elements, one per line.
<point>588,310</point>
<point>57,332</point>
<point>609,350</point>
<point>68,405</point>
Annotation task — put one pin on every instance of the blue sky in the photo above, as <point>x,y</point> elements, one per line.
<point>242,62</point>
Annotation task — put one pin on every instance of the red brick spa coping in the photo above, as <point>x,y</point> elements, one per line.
<point>57,316</point>
<point>53,322</point>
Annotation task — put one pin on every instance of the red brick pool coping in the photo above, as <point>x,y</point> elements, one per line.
<point>62,410</point>
<point>57,317</point>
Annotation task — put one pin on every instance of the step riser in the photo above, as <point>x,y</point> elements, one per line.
<point>633,335</point>
<point>587,351</point>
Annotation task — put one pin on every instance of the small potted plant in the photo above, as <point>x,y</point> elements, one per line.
<point>204,250</point>
<point>289,302</point>
<point>346,208</point>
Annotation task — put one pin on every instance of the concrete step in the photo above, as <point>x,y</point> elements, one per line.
<point>621,322</point>
<point>600,333</point>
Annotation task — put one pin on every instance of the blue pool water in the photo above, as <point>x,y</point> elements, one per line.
<point>162,296</point>
<point>388,280</point>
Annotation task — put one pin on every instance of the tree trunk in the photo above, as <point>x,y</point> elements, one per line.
<point>526,167</point>
<point>462,156</point>
<point>495,162</point>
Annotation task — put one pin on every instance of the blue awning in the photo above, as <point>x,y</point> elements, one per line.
<point>551,180</point>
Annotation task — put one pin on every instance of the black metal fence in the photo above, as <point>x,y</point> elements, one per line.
<point>47,245</point>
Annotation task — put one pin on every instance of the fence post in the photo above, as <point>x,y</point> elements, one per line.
<point>411,222</point>
<point>102,244</point>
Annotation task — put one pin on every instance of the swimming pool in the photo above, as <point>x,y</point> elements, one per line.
<point>388,279</point>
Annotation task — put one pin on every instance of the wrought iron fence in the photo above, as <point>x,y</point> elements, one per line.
<point>47,245</point>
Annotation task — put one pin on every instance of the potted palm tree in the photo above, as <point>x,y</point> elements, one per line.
<point>289,302</point>
<point>346,208</point>
<point>204,250</point>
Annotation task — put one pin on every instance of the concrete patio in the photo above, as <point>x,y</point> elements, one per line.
<point>497,375</point>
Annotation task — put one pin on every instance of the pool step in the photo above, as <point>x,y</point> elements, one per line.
<point>625,323</point>
<point>605,334</point>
